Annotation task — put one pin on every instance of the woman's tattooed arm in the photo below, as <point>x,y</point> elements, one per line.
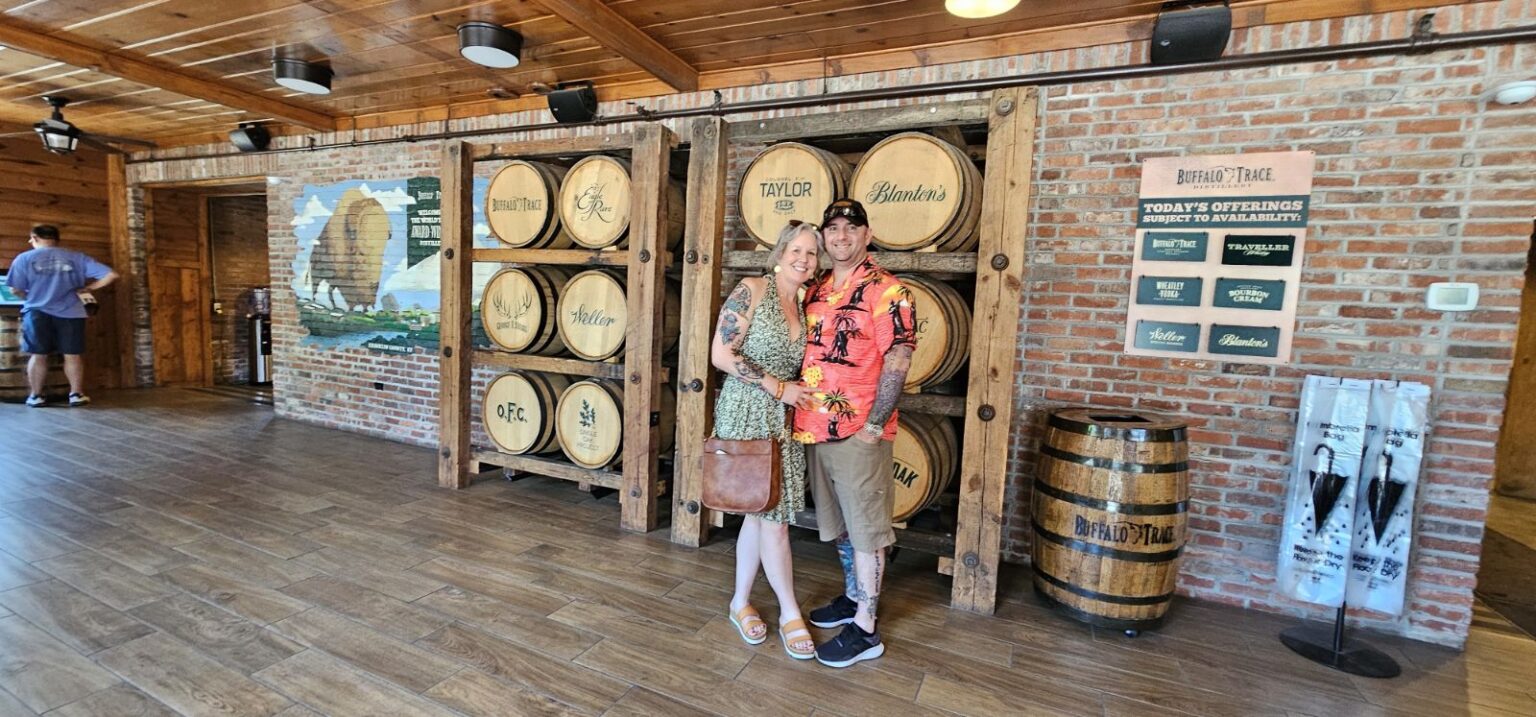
<point>730,332</point>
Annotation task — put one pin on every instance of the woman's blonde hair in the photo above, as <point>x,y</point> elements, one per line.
<point>794,228</point>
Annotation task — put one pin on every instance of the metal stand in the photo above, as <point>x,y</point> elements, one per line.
<point>1353,657</point>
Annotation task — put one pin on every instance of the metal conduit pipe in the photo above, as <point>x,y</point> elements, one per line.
<point>1409,45</point>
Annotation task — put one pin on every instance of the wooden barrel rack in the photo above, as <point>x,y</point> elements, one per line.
<point>967,250</point>
<point>626,177</point>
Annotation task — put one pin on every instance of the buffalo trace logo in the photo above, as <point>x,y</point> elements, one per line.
<point>1224,177</point>
<point>518,204</point>
<point>1124,531</point>
<point>590,204</point>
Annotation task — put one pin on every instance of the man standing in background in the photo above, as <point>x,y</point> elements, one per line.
<point>55,286</point>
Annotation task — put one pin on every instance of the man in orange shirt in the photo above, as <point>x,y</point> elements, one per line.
<point>859,340</point>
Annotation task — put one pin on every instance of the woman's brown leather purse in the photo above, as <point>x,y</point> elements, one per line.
<point>741,476</point>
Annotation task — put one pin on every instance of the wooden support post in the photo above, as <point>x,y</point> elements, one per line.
<point>649,164</point>
<point>702,251</point>
<point>453,451</point>
<point>122,263</point>
<point>989,403</point>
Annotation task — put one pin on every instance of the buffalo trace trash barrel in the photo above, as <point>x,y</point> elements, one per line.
<point>1110,515</point>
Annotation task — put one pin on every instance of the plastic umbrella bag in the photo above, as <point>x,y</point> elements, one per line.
<point>1388,484</point>
<point>1320,507</point>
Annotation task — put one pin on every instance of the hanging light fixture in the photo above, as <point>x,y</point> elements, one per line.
<point>302,76</point>
<point>59,136</point>
<point>975,9</point>
<point>489,44</point>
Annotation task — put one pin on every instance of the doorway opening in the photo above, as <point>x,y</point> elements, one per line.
<point>1506,577</point>
<point>209,285</point>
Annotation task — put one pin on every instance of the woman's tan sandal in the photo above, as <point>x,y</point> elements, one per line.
<point>793,632</point>
<point>745,620</point>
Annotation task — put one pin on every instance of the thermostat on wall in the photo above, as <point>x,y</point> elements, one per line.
<point>1452,296</point>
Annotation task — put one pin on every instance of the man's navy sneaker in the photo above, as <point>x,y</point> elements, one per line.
<point>836,613</point>
<point>852,645</point>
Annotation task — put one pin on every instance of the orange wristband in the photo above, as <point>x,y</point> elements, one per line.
<point>778,393</point>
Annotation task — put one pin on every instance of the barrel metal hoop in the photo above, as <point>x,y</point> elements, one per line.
<point>1101,597</point>
<point>1110,506</point>
<point>1135,435</point>
<point>1096,620</point>
<point>1103,551</point>
<point>1121,466</point>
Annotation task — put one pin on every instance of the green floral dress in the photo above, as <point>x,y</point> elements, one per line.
<point>745,412</point>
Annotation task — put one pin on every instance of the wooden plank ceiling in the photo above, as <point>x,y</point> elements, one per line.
<point>176,71</point>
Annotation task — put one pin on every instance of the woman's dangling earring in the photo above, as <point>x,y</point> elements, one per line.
<point>777,269</point>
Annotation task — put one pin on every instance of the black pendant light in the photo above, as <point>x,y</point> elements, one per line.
<point>59,136</point>
<point>302,76</point>
<point>489,44</point>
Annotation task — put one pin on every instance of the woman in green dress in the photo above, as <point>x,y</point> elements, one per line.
<point>760,343</point>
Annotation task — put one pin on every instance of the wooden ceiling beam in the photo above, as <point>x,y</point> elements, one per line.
<point>34,42</point>
<point>614,32</point>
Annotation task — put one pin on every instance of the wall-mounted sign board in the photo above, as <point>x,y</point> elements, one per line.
<point>1217,267</point>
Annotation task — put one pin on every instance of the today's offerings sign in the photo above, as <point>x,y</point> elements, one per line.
<point>1219,243</point>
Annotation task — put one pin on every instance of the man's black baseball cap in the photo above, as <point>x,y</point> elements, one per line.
<point>847,209</point>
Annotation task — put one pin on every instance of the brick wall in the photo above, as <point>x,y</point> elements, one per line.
<point>237,236</point>
<point>1416,182</point>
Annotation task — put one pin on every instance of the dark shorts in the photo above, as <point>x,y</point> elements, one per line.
<point>47,334</point>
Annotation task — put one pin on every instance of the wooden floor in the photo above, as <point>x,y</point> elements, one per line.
<point>168,552</point>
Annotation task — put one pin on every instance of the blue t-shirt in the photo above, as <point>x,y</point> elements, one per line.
<point>51,275</point>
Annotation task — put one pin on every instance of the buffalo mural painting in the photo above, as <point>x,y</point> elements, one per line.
<point>348,256</point>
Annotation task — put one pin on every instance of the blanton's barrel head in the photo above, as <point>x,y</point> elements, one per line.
<point>919,191</point>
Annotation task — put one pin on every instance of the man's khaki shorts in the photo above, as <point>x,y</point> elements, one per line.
<point>851,483</point>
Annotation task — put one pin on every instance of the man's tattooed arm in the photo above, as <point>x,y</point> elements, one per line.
<point>893,377</point>
<point>730,331</point>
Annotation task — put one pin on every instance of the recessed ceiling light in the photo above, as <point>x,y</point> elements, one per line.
<point>974,9</point>
<point>489,44</point>
<point>301,76</point>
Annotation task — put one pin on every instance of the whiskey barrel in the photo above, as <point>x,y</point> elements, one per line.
<point>595,201</point>
<point>518,309</point>
<point>943,331</point>
<point>919,191</point>
<point>594,314</point>
<point>589,422</point>
<point>13,364</point>
<point>518,411</point>
<point>789,181</point>
<point>1110,505</point>
<point>927,455</point>
<point>520,205</point>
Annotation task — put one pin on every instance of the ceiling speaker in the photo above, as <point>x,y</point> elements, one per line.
<point>250,137</point>
<point>573,104</point>
<point>1190,34</point>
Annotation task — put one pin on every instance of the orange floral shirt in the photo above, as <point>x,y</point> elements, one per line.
<point>849,328</point>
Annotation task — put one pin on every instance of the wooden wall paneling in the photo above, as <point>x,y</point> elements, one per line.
<point>205,292</point>
<point>649,164</point>
<point>454,458</point>
<point>611,30</point>
<point>989,395</point>
<point>703,242</point>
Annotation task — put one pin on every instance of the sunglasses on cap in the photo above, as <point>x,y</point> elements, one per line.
<point>847,209</point>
